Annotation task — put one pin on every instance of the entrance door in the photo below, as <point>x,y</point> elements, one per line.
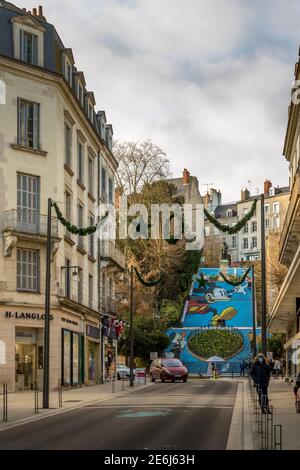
<point>28,200</point>
<point>25,366</point>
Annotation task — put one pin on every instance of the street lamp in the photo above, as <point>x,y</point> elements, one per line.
<point>47,311</point>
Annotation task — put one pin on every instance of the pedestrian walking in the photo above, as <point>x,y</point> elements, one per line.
<point>271,365</point>
<point>243,366</point>
<point>296,395</point>
<point>277,367</point>
<point>260,373</point>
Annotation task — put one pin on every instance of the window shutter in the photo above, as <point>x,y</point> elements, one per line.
<point>34,50</point>
<point>36,125</point>
<point>22,45</point>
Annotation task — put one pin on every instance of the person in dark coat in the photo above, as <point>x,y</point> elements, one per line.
<point>260,373</point>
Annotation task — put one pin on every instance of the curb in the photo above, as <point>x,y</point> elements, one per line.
<point>240,433</point>
<point>58,411</point>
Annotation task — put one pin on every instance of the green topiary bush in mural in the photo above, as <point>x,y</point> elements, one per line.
<point>222,343</point>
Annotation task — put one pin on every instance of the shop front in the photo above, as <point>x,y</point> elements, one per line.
<point>92,354</point>
<point>28,357</point>
<point>72,370</point>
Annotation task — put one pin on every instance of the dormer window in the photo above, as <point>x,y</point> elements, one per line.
<point>68,72</point>
<point>80,93</point>
<point>29,47</point>
<point>229,213</point>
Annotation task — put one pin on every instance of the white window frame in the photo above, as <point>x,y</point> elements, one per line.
<point>267,208</point>
<point>30,140</point>
<point>253,245</point>
<point>91,173</point>
<point>68,144</point>
<point>243,244</point>
<point>275,206</point>
<point>234,241</point>
<point>28,270</point>
<point>80,161</point>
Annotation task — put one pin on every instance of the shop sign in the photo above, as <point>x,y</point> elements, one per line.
<point>71,322</point>
<point>26,316</point>
<point>93,331</point>
<point>25,336</point>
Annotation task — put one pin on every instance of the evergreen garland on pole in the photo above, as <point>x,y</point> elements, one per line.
<point>73,228</point>
<point>236,283</point>
<point>153,283</point>
<point>235,228</point>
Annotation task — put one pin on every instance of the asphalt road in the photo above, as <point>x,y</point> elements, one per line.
<point>163,416</point>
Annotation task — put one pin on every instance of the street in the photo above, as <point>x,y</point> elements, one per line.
<point>164,416</point>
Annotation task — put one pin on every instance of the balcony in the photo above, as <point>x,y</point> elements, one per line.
<point>26,226</point>
<point>290,236</point>
<point>111,255</point>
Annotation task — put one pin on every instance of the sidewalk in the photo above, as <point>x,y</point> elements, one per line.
<point>21,404</point>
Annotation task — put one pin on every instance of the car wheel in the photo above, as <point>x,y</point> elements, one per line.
<point>118,376</point>
<point>162,380</point>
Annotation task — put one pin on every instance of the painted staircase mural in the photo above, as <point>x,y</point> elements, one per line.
<point>217,321</point>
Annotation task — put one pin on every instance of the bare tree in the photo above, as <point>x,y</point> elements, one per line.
<point>139,163</point>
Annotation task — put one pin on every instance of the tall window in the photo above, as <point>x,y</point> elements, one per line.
<point>233,241</point>
<point>91,237</point>
<point>254,242</point>
<point>80,286</point>
<point>29,47</point>
<point>80,162</point>
<point>91,175</point>
<point>275,222</point>
<point>229,213</point>
<point>103,183</point>
<point>91,291</point>
<point>68,72</point>
<point>68,210</point>
<point>246,228</point>
<point>267,224</point>
<point>276,207</point>
<point>267,208</point>
<point>68,145</point>
<point>80,93</point>
<point>80,224</point>
<point>110,191</point>
<point>28,202</point>
<point>254,226</point>
<point>28,124</point>
<point>27,270</point>
<point>67,278</point>
<point>245,244</point>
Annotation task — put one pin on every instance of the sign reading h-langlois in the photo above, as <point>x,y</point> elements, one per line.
<point>26,316</point>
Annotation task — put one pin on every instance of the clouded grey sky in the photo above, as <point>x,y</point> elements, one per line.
<point>207,80</point>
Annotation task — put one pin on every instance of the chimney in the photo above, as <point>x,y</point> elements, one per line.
<point>186,176</point>
<point>245,194</point>
<point>40,10</point>
<point>118,193</point>
<point>267,186</point>
<point>34,12</point>
<point>206,200</point>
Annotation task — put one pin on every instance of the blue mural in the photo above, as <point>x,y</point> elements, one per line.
<point>217,321</point>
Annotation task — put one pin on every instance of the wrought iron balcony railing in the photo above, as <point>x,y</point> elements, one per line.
<point>29,222</point>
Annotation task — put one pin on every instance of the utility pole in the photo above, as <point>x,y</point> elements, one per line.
<point>131,328</point>
<point>47,311</point>
<point>263,280</point>
<point>253,315</point>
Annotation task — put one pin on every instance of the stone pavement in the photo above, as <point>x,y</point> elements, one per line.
<point>21,405</point>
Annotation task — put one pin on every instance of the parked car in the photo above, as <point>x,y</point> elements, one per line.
<point>123,372</point>
<point>168,369</point>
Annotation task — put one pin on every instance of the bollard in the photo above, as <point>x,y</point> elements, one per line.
<point>123,384</point>
<point>277,437</point>
<point>5,418</point>
<point>60,398</point>
<point>145,378</point>
<point>270,425</point>
<point>36,397</point>
<point>113,385</point>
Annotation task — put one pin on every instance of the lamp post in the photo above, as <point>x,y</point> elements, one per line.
<point>263,280</point>
<point>131,327</point>
<point>47,311</point>
<point>253,315</point>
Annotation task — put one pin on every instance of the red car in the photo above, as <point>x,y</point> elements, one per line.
<point>168,369</point>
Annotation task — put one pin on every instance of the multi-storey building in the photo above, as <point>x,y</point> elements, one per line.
<point>53,144</point>
<point>246,244</point>
<point>285,313</point>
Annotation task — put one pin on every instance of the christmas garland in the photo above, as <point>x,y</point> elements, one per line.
<point>73,228</point>
<point>235,228</point>
<point>236,283</point>
<point>153,283</point>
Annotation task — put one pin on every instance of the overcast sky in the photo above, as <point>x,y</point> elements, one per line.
<point>206,80</point>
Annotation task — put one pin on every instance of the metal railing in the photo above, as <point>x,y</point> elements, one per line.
<point>24,221</point>
<point>271,434</point>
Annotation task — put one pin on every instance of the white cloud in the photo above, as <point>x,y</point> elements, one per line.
<point>207,81</point>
